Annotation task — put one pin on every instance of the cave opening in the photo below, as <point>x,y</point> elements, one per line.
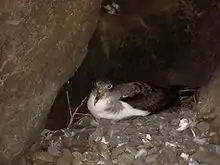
<point>167,46</point>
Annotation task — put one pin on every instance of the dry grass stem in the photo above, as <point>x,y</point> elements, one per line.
<point>73,113</point>
<point>82,114</point>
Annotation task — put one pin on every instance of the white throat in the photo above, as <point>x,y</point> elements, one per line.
<point>101,104</point>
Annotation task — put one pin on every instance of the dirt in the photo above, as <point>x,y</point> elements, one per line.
<point>153,140</point>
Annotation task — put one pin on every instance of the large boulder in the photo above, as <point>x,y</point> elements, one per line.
<point>42,44</point>
<point>208,105</point>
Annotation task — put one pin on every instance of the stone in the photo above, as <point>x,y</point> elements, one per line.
<point>65,159</point>
<point>206,157</point>
<point>125,159</point>
<point>42,45</point>
<point>164,55</point>
<point>203,127</point>
<point>43,156</point>
<point>104,148</point>
<point>151,158</point>
<point>208,104</point>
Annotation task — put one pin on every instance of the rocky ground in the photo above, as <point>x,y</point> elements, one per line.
<point>172,137</point>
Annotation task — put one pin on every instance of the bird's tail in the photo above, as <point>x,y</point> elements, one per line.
<point>183,91</point>
<point>176,94</point>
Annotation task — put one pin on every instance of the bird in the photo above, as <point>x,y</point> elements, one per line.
<point>125,100</point>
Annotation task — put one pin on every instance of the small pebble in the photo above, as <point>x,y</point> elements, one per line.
<point>151,158</point>
<point>120,144</point>
<point>43,156</point>
<point>141,152</point>
<point>184,156</point>
<point>170,144</point>
<point>148,137</point>
<point>104,141</point>
<point>183,125</point>
<point>203,127</point>
<point>125,159</point>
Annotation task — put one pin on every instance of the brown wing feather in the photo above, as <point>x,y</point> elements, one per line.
<point>133,88</point>
<point>145,97</point>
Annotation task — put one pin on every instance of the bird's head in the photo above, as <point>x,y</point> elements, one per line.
<point>101,88</point>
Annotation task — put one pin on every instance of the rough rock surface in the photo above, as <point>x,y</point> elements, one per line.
<point>169,42</point>
<point>42,43</point>
<point>184,51</point>
<point>209,104</point>
<point>154,140</point>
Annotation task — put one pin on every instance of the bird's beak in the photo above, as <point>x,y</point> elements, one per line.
<point>98,96</point>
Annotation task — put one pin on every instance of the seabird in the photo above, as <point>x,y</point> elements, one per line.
<point>128,99</point>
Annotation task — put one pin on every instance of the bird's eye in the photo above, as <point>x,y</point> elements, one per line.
<point>109,86</point>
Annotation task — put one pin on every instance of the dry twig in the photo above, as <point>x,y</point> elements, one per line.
<point>73,113</point>
<point>83,114</point>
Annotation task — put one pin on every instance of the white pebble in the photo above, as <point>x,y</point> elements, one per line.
<point>184,156</point>
<point>148,137</point>
<point>104,141</point>
<point>120,144</point>
<point>183,125</point>
<point>98,138</point>
<point>145,140</point>
<point>193,162</point>
<point>193,133</point>
<point>141,152</point>
<point>116,6</point>
<point>170,144</point>
<point>100,162</point>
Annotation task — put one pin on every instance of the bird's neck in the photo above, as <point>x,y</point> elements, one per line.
<point>100,105</point>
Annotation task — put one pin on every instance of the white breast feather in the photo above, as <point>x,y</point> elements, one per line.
<point>99,109</point>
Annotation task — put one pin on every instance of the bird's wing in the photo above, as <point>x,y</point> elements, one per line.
<point>133,88</point>
<point>146,97</point>
<point>155,100</point>
<point>114,107</point>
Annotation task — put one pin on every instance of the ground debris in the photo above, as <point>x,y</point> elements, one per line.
<point>151,140</point>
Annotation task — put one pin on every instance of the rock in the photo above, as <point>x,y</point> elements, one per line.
<point>43,156</point>
<point>141,152</point>
<point>42,45</point>
<point>162,52</point>
<point>125,159</point>
<point>121,142</point>
<point>22,161</point>
<point>77,162</point>
<point>206,157</point>
<point>208,104</point>
<point>93,158</point>
<point>151,158</point>
<point>102,148</point>
<point>65,159</point>
<point>203,127</point>
<point>78,158</point>
<point>167,156</point>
